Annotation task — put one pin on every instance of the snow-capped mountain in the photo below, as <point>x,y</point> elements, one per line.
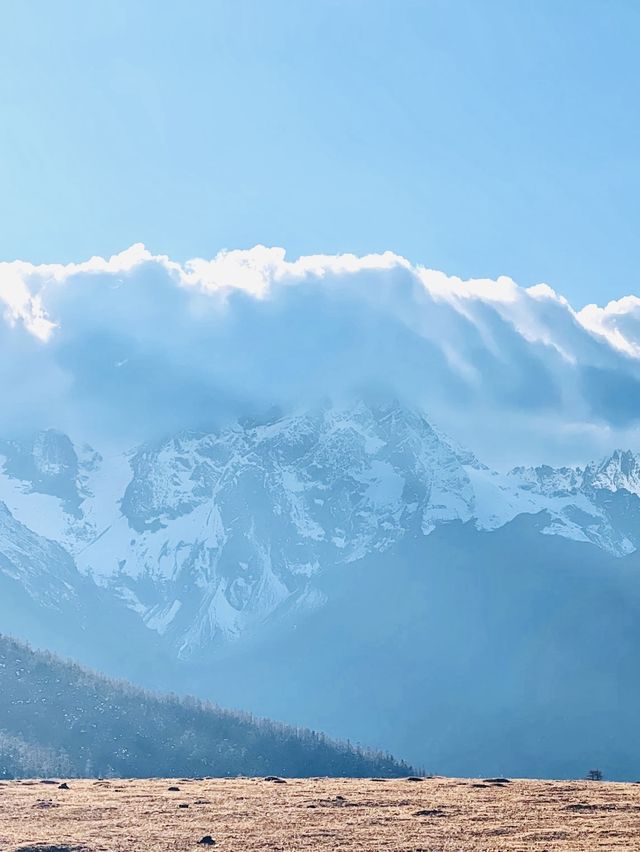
<point>599,503</point>
<point>206,536</point>
<point>42,568</point>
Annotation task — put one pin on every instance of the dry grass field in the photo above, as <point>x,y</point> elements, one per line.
<point>243,815</point>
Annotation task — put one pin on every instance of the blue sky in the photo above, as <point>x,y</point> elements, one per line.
<point>481,138</point>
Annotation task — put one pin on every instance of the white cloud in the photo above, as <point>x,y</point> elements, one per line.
<point>137,344</point>
<point>618,323</point>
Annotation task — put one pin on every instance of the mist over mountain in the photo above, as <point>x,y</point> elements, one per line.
<point>137,347</point>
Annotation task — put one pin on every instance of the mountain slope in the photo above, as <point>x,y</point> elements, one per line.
<point>471,652</point>
<point>57,718</point>
<point>45,599</point>
<point>206,537</point>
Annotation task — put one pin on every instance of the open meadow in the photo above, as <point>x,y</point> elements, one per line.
<point>249,814</point>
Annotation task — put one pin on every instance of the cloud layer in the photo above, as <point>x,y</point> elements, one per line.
<point>131,347</point>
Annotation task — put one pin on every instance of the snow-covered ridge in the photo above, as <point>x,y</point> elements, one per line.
<point>208,535</point>
<point>597,503</point>
<point>619,471</point>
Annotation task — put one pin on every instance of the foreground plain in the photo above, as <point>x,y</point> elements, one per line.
<point>248,814</point>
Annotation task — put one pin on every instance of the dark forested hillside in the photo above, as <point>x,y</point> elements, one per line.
<point>57,718</point>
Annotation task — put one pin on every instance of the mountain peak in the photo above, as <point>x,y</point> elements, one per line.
<point>618,471</point>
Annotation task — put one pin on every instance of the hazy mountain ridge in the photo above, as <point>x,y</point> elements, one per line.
<point>207,536</point>
<point>602,499</point>
<point>470,652</point>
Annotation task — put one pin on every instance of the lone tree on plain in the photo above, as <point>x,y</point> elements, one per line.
<point>594,775</point>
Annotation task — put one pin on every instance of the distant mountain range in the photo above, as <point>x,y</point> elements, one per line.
<point>267,562</point>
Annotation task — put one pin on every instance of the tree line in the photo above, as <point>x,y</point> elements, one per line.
<point>58,718</point>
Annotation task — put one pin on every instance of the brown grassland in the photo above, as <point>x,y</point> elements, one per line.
<point>247,814</point>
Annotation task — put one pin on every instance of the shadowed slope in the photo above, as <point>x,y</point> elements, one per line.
<point>58,718</point>
<point>467,652</point>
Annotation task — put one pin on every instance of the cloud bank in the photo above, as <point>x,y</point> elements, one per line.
<point>135,346</point>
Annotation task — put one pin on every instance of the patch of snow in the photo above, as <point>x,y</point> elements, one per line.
<point>160,618</point>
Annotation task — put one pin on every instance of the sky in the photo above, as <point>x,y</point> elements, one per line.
<point>479,138</point>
